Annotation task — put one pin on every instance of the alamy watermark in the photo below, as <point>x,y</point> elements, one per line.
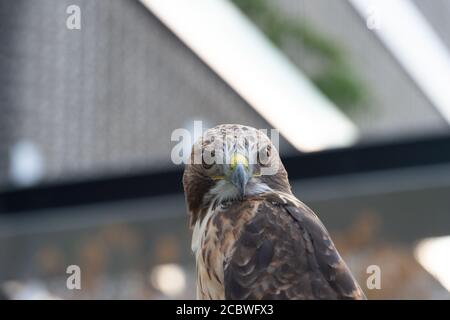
<point>255,145</point>
<point>374,280</point>
<point>73,21</point>
<point>73,281</point>
<point>373,18</point>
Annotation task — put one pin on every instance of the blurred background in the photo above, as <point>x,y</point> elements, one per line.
<point>358,90</point>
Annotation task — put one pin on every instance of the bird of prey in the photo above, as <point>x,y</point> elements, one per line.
<point>252,238</point>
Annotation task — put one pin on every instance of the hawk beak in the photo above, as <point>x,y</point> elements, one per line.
<point>239,178</point>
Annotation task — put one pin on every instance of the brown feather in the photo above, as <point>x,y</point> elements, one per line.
<point>290,254</point>
<point>265,246</point>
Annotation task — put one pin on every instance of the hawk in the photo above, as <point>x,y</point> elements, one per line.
<point>252,238</point>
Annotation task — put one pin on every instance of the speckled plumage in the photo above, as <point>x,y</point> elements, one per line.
<point>267,245</point>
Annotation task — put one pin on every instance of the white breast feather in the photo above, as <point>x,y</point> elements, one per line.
<point>221,192</point>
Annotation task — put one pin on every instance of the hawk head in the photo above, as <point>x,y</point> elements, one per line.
<point>231,162</point>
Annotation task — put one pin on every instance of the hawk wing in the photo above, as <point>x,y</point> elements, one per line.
<point>285,252</point>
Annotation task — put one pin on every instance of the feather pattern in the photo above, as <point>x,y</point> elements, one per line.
<point>265,245</point>
<point>271,246</point>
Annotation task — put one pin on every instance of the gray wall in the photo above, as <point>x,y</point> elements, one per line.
<point>104,98</point>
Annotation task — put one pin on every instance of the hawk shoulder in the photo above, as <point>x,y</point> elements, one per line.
<point>285,252</point>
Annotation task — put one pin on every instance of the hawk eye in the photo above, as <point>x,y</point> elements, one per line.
<point>268,151</point>
<point>264,156</point>
<point>211,159</point>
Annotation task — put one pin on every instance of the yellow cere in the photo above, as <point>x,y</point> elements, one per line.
<point>236,159</point>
